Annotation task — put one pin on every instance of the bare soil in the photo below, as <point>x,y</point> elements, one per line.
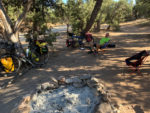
<point>131,91</point>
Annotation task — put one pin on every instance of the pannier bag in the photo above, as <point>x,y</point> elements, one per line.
<point>42,46</point>
<point>88,37</point>
<point>70,42</point>
<point>7,63</point>
<point>41,43</point>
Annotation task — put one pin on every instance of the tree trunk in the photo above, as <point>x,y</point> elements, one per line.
<point>2,31</point>
<point>99,22</point>
<point>108,28</point>
<point>11,31</point>
<point>67,28</point>
<point>7,23</point>
<point>97,29</point>
<point>93,15</point>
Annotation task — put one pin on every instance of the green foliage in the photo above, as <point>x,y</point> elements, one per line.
<point>115,12</point>
<point>76,13</point>
<point>45,34</point>
<point>115,25</point>
<point>13,8</point>
<point>142,8</point>
<point>38,18</point>
<point>51,37</point>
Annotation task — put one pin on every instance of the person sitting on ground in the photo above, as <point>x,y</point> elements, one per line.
<point>103,42</point>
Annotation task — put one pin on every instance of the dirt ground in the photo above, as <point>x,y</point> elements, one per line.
<point>131,91</point>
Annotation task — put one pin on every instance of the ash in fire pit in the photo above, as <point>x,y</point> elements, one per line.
<point>66,100</point>
<point>84,94</point>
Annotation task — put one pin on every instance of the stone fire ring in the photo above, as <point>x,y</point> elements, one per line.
<point>104,105</point>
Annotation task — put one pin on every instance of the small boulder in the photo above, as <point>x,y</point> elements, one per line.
<point>104,108</point>
<point>85,77</point>
<point>93,82</point>
<point>73,80</point>
<point>54,80</point>
<point>34,97</point>
<point>48,86</point>
<point>100,87</point>
<point>105,97</point>
<point>61,80</point>
<point>45,85</point>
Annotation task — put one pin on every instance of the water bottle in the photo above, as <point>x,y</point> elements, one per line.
<point>27,52</point>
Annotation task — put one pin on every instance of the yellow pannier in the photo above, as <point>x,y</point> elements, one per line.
<point>42,44</point>
<point>7,64</point>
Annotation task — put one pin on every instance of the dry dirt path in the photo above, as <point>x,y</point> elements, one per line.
<point>130,91</point>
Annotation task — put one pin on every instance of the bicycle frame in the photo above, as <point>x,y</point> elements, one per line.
<point>25,59</point>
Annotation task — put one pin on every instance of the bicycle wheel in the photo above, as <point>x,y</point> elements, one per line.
<point>39,56</point>
<point>9,64</point>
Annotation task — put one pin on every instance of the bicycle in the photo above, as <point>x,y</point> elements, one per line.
<point>36,55</point>
<point>37,52</point>
<point>74,41</point>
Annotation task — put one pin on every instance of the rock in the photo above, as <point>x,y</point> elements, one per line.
<point>104,108</point>
<point>61,80</point>
<point>76,80</point>
<point>54,80</point>
<point>48,86</point>
<point>34,98</point>
<point>100,87</point>
<point>73,80</point>
<point>53,86</point>
<point>85,77</point>
<point>38,87</point>
<point>93,82</point>
<point>78,85</point>
<point>45,85</point>
<point>93,79</point>
<point>24,106</point>
<point>69,81</point>
<point>105,98</point>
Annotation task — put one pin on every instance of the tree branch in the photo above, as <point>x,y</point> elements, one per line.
<point>22,16</point>
<point>5,19</point>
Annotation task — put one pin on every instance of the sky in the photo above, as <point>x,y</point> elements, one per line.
<point>114,0</point>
